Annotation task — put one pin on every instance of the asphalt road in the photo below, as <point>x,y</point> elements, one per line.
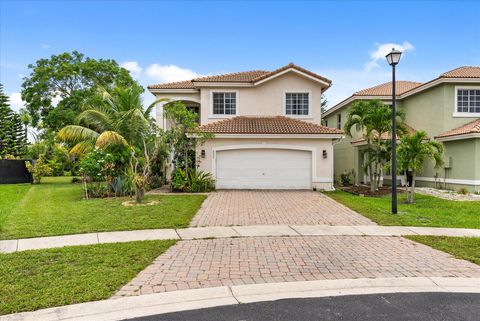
<point>378,307</point>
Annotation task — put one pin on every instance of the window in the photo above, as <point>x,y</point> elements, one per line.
<point>224,103</point>
<point>339,121</point>
<point>468,100</point>
<point>326,123</point>
<point>296,104</point>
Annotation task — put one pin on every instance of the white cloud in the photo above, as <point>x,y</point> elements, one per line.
<point>133,67</point>
<point>16,101</point>
<point>382,49</point>
<point>45,46</point>
<point>170,73</point>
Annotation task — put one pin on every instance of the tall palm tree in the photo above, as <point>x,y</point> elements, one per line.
<point>116,118</point>
<point>413,151</point>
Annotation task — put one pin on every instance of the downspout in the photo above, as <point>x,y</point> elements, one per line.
<point>334,142</point>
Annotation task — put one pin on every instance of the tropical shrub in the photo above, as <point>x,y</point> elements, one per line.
<point>192,181</point>
<point>38,170</point>
<point>346,178</point>
<point>98,169</point>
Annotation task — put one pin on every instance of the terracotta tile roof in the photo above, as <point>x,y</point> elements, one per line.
<point>386,88</point>
<point>266,125</point>
<point>187,84</point>
<point>386,136</point>
<point>292,65</point>
<point>472,127</point>
<point>463,72</point>
<point>243,77</point>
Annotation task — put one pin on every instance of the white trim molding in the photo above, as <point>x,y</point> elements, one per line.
<point>291,69</point>
<point>211,115</point>
<point>450,180</point>
<point>279,136</point>
<point>307,116</point>
<point>456,113</point>
<point>458,137</point>
<point>173,91</point>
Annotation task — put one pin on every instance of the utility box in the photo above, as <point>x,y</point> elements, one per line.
<point>448,162</point>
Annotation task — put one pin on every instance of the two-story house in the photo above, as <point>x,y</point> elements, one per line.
<point>266,126</point>
<point>447,108</point>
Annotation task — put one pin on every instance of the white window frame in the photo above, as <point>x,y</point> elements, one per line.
<point>212,115</point>
<point>309,115</point>
<point>456,113</point>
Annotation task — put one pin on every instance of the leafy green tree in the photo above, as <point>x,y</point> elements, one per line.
<point>413,151</point>
<point>373,119</point>
<point>12,136</point>
<point>71,79</point>
<point>116,118</point>
<point>323,104</point>
<point>184,135</point>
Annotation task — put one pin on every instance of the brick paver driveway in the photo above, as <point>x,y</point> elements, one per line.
<point>217,262</point>
<point>226,208</point>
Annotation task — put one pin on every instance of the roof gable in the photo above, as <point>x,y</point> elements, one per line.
<point>252,78</point>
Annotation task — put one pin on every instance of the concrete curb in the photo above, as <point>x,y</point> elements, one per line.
<point>9,246</point>
<point>131,307</point>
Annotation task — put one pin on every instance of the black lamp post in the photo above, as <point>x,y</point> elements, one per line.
<point>393,58</point>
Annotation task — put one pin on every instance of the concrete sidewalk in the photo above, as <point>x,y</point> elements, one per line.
<point>131,307</point>
<point>9,246</point>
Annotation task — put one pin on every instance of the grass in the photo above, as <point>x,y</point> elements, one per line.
<point>426,211</point>
<point>33,280</point>
<point>467,248</point>
<point>56,207</point>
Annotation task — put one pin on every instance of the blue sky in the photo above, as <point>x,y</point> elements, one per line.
<point>166,41</point>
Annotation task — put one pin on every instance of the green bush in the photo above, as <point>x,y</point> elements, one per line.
<point>192,181</point>
<point>463,191</point>
<point>38,170</point>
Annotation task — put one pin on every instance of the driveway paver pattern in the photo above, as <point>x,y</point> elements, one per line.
<point>221,262</point>
<point>235,207</point>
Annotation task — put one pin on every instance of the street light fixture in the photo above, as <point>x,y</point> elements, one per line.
<point>393,58</point>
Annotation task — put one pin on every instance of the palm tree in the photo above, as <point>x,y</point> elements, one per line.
<point>373,119</point>
<point>116,118</point>
<point>413,151</point>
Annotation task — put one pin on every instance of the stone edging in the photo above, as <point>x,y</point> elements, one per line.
<point>145,305</point>
<point>9,246</point>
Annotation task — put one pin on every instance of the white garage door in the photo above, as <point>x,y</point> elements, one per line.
<point>264,169</point>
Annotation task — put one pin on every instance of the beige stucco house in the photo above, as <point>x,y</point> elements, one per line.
<point>266,126</point>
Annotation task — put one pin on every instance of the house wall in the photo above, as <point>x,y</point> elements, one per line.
<point>323,178</point>
<point>266,99</point>
<point>431,111</point>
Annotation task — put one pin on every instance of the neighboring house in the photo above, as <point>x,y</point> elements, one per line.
<point>447,108</point>
<point>266,125</point>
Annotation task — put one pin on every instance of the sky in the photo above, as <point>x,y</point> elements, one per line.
<point>160,41</point>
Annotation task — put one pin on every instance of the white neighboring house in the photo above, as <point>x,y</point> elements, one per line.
<point>266,125</point>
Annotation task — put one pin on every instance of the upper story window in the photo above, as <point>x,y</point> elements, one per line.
<point>225,103</point>
<point>297,104</point>
<point>468,100</point>
<point>339,121</point>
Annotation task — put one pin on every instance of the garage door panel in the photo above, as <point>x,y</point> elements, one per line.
<point>263,169</point>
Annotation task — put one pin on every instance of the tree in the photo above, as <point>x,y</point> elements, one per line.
<point>413,151</point>
<point>71,79</point>
<point>184,135</point>
<point>12,138</point>
<point>373,119</point>
<point>323,104</point>
<point>116,118</point>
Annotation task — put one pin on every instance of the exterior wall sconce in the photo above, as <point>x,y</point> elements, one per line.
<point>324,153</point>
<point>202,153</point>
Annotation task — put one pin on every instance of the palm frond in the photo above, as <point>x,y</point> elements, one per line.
<point>110,138</point>
<point>95,118</point>
<point>82,148</point>
<point>75,134</point>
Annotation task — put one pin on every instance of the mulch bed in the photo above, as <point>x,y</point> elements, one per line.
<point>364,190</point>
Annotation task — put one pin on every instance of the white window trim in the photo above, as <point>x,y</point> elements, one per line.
<point>455,106</point>
<point>309,115</point>
<point>220,116</point>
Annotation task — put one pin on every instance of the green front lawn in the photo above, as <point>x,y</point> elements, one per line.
<point>427,210</point>
<point>467,248</point>
<point>34,280</point>
<point>56,207</point>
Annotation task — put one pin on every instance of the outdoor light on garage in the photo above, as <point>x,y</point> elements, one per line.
<point>324,153</point>
<point>202,153</point>
<point>393,58</point>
